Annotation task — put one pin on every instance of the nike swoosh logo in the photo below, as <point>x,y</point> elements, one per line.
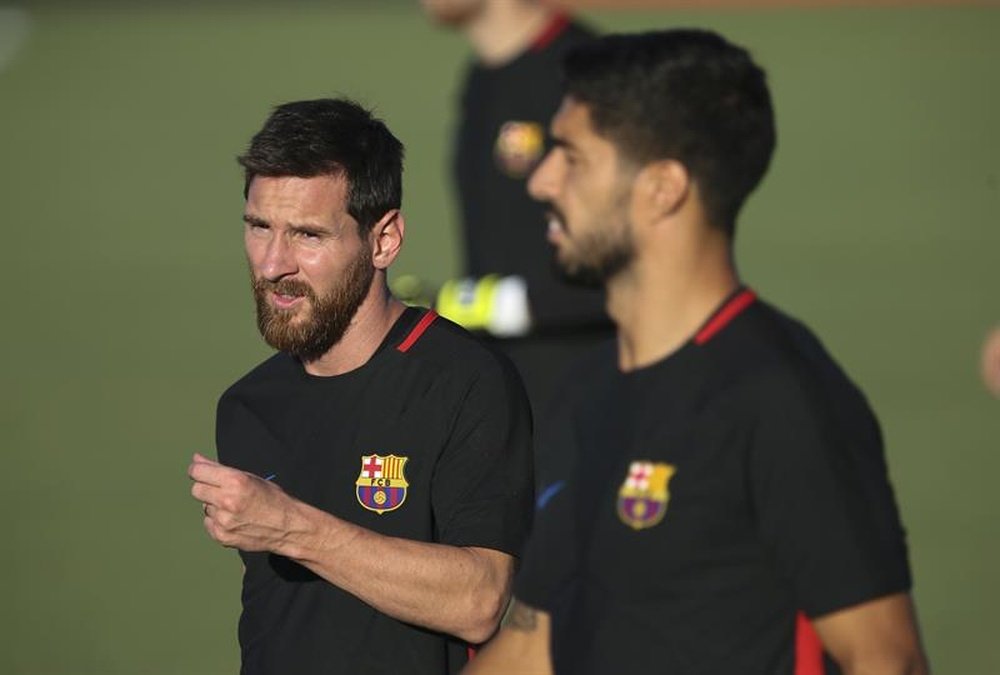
<point>548,493</point>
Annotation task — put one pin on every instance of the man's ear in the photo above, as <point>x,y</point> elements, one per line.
<point>387,238</point>
<point>665,186</point>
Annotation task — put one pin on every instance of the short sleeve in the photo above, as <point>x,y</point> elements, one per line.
<point>483,490</point>
<point>820,489</point>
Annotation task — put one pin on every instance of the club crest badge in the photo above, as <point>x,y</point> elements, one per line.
<point>381,485</point>
<point>643,497</point>
<point>518,147</point>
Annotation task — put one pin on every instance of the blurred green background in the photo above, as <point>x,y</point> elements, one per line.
<point>129,311</point>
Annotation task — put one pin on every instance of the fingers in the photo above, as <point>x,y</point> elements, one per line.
<point>226,488</point>
<point>207,494</point>
<point>205,470</point>
<point>212,482</point>
<point>212,527</point>
<point>217,515</point>
<point>218,523</point>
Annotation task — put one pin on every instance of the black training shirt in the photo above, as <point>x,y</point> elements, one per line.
<point>429,441</point>
<point>713,498</point>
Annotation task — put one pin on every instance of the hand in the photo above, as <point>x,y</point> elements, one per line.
<point>241,510</point>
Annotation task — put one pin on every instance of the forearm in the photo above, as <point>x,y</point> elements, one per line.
<point>454,590</point>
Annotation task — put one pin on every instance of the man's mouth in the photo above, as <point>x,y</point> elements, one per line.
<point>556,227</point>
<point>285,300</point>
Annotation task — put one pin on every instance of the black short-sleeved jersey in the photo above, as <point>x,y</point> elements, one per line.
<point>716,498</point>
<point>428,441</point>
<point>503,126</point>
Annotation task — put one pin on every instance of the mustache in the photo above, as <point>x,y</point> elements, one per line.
<point>283,287</point>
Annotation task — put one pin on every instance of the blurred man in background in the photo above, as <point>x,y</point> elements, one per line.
<point>400,444</point>
<point>728,483</point>
<point>510,93</point>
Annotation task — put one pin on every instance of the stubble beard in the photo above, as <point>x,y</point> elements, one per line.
<point>601,254</point>
<point>328,318</point>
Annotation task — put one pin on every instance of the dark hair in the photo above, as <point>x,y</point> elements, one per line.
<point>329,137</point>
<point>687,95</point>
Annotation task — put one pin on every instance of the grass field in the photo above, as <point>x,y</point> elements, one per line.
<point>129,310</point>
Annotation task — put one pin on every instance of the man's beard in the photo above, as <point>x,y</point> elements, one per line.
<point>601,265</point>
<point>599,256</point>
<point>311,336</point>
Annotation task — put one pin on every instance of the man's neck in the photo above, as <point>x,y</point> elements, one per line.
<point>506,28</point>
<point>659,306</point>
<point>371,323</point>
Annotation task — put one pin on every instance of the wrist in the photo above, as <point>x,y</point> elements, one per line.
<point>312,534</point>
<point>299,532</point>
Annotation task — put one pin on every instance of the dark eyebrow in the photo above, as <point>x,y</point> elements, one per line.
<point>558,142</point>
<point>307,228</point>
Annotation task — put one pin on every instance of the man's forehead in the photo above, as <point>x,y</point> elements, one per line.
<point>573,127</point>
<point>326,186</point>
<point>572,116</point>
<point>317,198</point>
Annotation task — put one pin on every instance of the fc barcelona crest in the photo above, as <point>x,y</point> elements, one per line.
<point>381,483</point>
<point>643,497</point>
<point>518,147</point>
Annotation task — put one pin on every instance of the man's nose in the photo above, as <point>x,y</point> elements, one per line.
<point>278,260</point>
<point>542,183</point>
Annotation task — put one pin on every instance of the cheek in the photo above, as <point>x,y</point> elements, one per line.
<point>321,268</point>
<point>313,259</point>
<point>254,250</point>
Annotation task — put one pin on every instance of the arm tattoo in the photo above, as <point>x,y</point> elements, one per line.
<point>521,617</point>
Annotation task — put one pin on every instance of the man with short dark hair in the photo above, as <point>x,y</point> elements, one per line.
<point>729,493</point>
<point>375,474</point>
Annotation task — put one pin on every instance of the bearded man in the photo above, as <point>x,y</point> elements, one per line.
<point>375,473</point>
<point>726,506</point>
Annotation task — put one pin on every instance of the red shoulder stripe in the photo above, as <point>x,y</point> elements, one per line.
<point>418,330</point>
<point>726,313</point>
<point>553,30</point>
<point>808,648</point>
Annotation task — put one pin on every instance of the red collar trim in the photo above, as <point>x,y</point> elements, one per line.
<point>729,311</point>
<point>418,330</point>
<point>554,29</point>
